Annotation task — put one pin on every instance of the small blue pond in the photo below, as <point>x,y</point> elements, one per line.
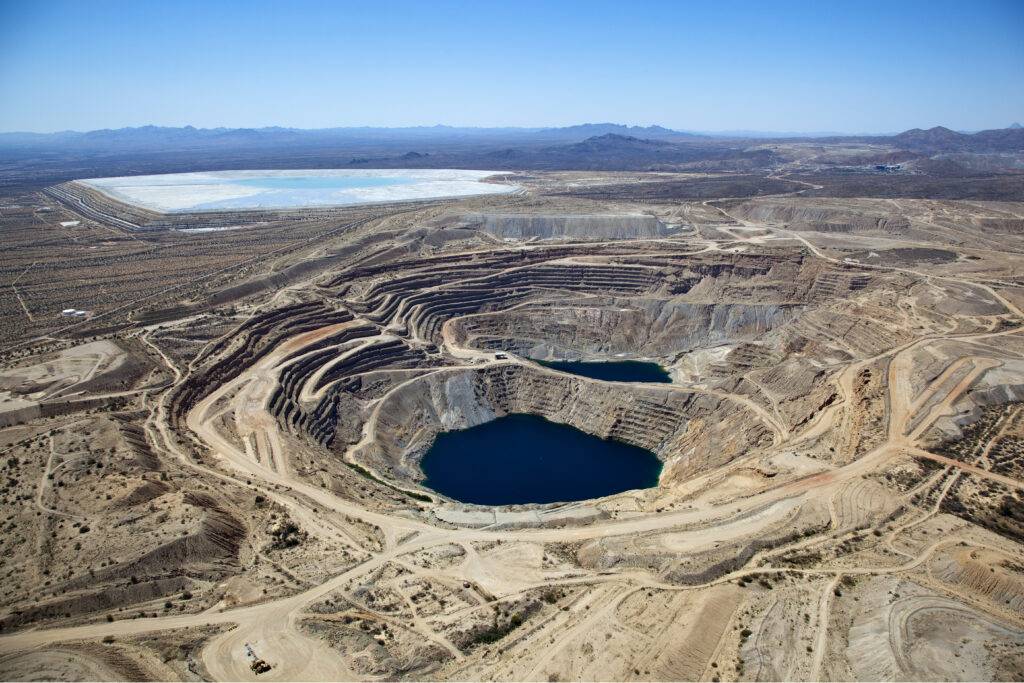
<point>612,371</point>
<point>526,459</point>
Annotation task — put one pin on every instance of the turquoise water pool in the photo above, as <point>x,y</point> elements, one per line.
<point>323,182</point>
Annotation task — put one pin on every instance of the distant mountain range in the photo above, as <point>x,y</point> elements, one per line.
<point>161,139</point>
<point>34,160</point>
<point>154,138</point>
<point>940,139</point>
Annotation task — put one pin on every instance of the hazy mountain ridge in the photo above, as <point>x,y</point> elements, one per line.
<point>162,138</point>
<point>52,158</point>
<point>150,138</point>
<point>941,139</point>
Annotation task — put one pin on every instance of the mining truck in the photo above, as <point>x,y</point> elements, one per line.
<point>257,665</point>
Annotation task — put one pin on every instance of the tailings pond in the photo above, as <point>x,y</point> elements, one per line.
<point>526,459</point>
<point>258,190</point>
<point>612,371</point>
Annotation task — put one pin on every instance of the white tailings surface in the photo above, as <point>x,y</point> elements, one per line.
<point>246,190</point>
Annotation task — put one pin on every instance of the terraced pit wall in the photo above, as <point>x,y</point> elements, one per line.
<point>251,341</point>
<point>550,226</point>
<point>689,431</point>
<point>631,327</point>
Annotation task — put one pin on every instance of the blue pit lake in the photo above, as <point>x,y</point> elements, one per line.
<point>612,371</point>
<point>521,458</point>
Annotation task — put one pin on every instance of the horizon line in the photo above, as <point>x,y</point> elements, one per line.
<point>524,128</point>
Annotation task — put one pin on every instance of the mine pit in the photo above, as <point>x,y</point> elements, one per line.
<point>522,459</point>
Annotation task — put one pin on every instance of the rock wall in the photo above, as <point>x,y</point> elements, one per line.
<point>548,226</point>
<point>634,327</point>
<point>690,431</point>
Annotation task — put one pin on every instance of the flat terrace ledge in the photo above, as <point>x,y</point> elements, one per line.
<point>515,516</point>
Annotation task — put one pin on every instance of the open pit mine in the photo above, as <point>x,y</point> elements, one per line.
<point>776,436</point>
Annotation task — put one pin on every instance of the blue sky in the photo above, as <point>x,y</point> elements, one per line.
<point>850,66</point>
